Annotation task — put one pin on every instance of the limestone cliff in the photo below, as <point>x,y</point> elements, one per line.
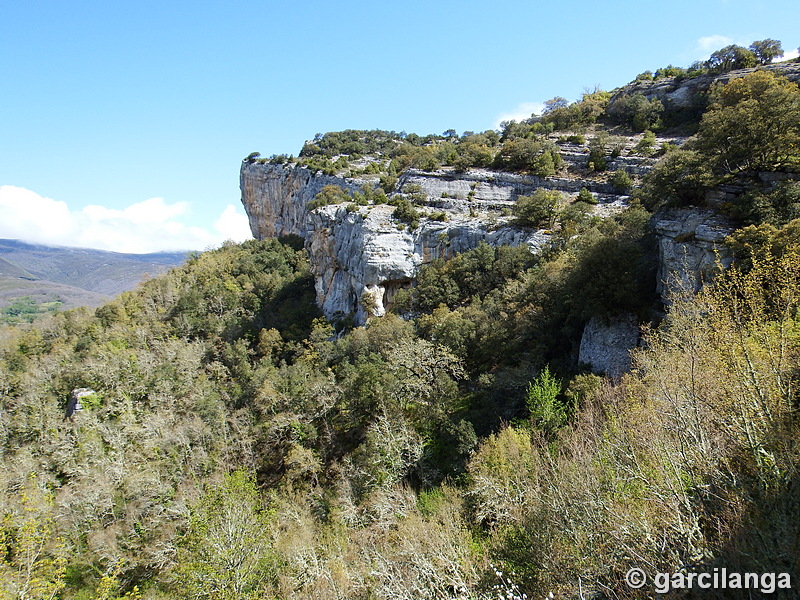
<point>361,256</point>
<point>606,344</point>
<point>683,93</point>
<point>690,248</point>
<point>275,197</point>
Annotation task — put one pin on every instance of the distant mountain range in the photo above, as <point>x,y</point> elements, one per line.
<point>74,276</point>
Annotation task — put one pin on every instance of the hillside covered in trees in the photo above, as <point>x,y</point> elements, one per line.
<point>236,444</point>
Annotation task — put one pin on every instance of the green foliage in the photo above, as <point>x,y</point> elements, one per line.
<point>536,156</point>
<point>637,112</point>
<point>225,552</point>
<point>613,272</point>
<point>730,58</point>
<point>329,194</point>
<point>621,181</point>
<point>756,243</point>
<point>406,212</point>
<point>473,273</point>
<point>544,409</point>
<point>279,159</point>
<point>776,205</point>
<point>752,123</point>
<point>644,147</point>
<point>766,50</point>
<point>26,310</point>
<point>33,555</point>
<point>681,178</point>
<point>586,196</point>
<point>388,183</point>
<point>538,210</point>
<point>241,448</point>
<point>561,115</point>
<point>351,142</point>
<point>669,71</point>
<point>597,152</point>
<point>474,152</point>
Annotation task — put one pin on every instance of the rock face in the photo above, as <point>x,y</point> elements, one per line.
<point>361,259</point>
<point>606,344</point>
<point>275,197</point>
<point>361,256</point>
<point>690,249</point>
<point>681,93</point>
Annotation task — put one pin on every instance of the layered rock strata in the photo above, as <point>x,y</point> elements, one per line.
<point>687,93</point>
<point>362,258</point>
<point>690,249</point>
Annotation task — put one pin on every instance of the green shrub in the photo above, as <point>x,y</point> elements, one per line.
<point>586,196</point>
<point>621,181</point>
<point>637,112</point>
<point>645,146</point>
<point>670,71</point>
<point>681,178</point>
<point>730,58</point>
<point>545,411</point>
<point>538,157</point>
<point>406,212</point>
<point>538,210</point>
<point>329,194</point>
<point>776,206</point>
<point>597,153</point>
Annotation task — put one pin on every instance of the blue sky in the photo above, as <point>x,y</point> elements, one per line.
<point>123,125</point>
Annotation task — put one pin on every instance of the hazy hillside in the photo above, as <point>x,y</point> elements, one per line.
<point>74,276</point>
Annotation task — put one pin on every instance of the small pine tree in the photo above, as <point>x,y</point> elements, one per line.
<point>546,412</point>
<point>586,196</point>
<point>621,181</point>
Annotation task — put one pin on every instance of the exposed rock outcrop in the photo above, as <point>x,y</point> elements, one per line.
<point>275,197</point>
<point>606,344</point>
<point>690,249</point>
<point>361,256</point>
<point>360,259</point>
<point>686,93</point>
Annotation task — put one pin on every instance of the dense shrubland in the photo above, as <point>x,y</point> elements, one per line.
<point>225,407</point>
<point>238,449</point>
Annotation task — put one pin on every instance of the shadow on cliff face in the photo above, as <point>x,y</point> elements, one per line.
<point>294,241</point>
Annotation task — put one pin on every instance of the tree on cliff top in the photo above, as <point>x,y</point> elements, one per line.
<point>753,123</point>
<point>766,50</point>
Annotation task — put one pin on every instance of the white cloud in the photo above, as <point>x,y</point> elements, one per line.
<point>710,43</point>
<point>233,225</point>
<point>790,55</point>
<point>148,226</point>
<point>521,112</point>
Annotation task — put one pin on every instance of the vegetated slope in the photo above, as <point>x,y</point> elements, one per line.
<point>236,446</point>
<point>230,428</point>
<point>74,276</point>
